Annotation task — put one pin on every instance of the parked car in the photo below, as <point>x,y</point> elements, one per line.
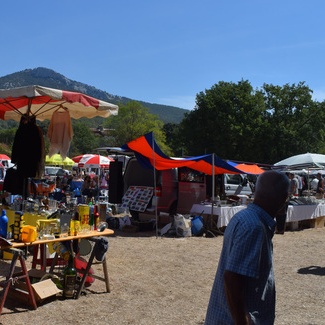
<point>54,171</point>
<point>235,184</point>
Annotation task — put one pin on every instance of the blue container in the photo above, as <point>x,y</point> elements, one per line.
<point>197,225</point>
<point>3,224</point>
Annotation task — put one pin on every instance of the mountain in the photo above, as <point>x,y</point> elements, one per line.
<point>49,78</point>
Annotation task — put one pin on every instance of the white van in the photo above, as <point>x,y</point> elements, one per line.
<point>235,184</point>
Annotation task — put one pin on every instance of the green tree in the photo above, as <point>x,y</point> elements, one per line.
<point>173,139</point>
<point>293,122</point>
<point>226,119</point>
<point>264,125</point>
<point>7,136</point>
<point>84,141</point>
<point>133,121</point>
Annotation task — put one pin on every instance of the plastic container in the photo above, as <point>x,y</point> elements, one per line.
<point>197,225</point>
<point>3,224</point>
<point>28,234</point>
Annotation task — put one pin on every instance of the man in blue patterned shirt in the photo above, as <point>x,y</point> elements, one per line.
<point>244,291</point>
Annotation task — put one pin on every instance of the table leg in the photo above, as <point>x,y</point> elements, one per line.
<point>17,255</point>
<point>85,272</point>
<point>106,275</point>
<point>89,264</point>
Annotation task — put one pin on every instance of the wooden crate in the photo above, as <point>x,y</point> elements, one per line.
<point>318,222</point>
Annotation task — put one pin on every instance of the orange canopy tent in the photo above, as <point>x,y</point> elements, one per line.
<point>150,155</point>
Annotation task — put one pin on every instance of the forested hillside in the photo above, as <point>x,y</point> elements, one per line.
<point>49,78</point>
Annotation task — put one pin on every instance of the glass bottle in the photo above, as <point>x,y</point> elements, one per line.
<point>3,224</point>
<point>70,275</point>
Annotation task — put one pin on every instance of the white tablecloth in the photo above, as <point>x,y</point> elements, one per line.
<point>225,213</point>
<point>305,212</point>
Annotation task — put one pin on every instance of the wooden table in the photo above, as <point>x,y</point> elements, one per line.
<point>18,255</point>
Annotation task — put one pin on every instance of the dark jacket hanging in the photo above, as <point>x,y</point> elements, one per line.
<point>28,150</point>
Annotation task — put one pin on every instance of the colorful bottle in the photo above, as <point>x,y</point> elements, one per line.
<point>96,217</point>
<point>70,275</point>
<point>91,216</point>
<point>3,224</point>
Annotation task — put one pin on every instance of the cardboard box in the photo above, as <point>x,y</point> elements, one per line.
<point>45,289</point>
<point>41,289</point>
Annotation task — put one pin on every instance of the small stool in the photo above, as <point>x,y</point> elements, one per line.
<point>11,278</point>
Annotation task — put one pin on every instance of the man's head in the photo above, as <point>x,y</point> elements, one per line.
<point>271,191</point>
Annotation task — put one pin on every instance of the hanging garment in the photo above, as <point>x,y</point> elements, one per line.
<point>28,149</point>
<point>60,133</point>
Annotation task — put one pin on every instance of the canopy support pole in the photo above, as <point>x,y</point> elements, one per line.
<point>213,188</point>
<point>154,183</point>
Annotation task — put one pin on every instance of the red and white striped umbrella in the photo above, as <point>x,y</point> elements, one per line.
<point>41,102</point>
<point>4,157</point>
<point>76,159</point>
<point>94,161</point>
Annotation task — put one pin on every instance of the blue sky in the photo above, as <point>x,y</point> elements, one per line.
<point>167,51</point>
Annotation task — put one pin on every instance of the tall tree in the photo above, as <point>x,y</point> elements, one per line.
<point>293,124</point>
<point>226,119</point>
<point>133,121</point>
<point>239,123</point>
<point>84,141</point>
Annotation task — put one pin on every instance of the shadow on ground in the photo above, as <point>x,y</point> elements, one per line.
<point>313,269</point>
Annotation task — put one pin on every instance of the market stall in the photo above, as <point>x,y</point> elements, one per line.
<point>27,105</point>
<point>312,213</point>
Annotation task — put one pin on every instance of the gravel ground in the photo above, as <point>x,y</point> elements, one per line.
<point>168,281</point>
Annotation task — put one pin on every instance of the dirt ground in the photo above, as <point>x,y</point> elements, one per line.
<point>168,281</point>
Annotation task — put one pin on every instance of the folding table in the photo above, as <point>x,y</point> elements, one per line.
<point>17,249</point>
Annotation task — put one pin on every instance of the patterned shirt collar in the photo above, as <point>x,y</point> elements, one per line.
<point>265,217</point>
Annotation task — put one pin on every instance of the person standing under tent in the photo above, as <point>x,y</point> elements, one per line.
<point>300,184</point>
<point>244,289</point>
<point>320,187</point>
<point>293,191</point>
